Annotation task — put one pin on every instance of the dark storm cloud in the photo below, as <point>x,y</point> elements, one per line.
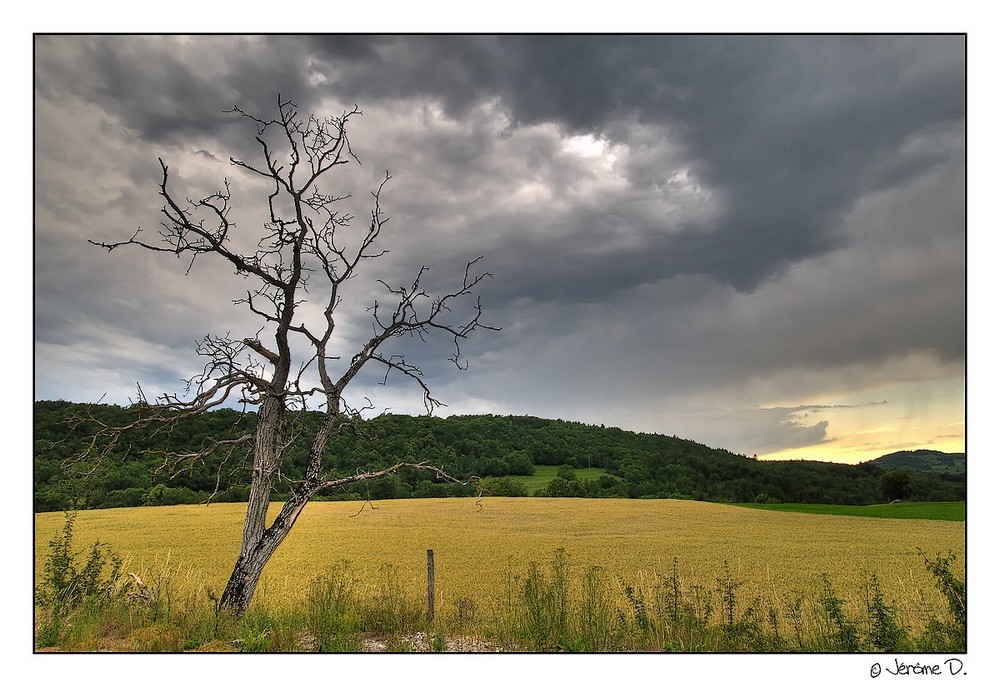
<point>789,130</point>
<point>734,207</point>
<point>169,89</point>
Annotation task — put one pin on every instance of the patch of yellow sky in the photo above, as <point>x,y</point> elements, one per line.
<point>924,414</point>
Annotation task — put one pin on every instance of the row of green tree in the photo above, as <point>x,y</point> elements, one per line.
<point>495,448</point>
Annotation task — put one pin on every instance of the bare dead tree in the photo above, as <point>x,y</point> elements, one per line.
<point>301,255</point>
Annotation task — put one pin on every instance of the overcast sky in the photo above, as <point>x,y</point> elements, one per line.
<point>754,242</point>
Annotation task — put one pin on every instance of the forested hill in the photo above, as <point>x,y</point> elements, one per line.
<point>924,460</point>
<point>501,449</point>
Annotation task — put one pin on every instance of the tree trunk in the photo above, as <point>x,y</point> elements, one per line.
<point>250,564</point>
<point>242,584</point>
<point>259,541</point>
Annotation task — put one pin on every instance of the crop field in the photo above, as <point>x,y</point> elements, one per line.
<point>479,546</point>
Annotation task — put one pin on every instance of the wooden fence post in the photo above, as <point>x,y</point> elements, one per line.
<point>430,585</point>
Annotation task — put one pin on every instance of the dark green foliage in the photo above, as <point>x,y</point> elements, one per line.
<point>503,486</point>
<point>162,495</point>
<point>895,485</point>
<point>566,472</point>
<point>636,465</point>
<point>560,487</point>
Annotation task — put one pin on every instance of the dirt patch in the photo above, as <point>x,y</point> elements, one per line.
<point>420,643</point>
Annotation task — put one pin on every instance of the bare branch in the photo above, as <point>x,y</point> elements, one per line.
<point>306,249</point>
<point>375,474</point>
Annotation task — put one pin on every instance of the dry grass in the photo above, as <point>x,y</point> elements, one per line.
<point>475,548</point>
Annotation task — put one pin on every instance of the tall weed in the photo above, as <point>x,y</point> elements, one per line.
<point>840,633</point>
<point>885,633</point>
<point>66,585</point>
<point>545,606</point>
<point>597,627</point>
<point>952,632</point>
<point>331,605</point>
<point>390,611</point>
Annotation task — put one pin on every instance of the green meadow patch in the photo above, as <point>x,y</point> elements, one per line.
<point>951,510</point>
<point>546,473</point>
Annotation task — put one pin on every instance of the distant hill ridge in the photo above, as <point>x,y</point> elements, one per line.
<point>611,463</point>
<point>923,460</point>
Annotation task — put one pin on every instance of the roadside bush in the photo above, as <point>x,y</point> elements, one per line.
<point>543,617</point>
<point>840,633</point>
<point>390,611</point>
<point>83,603</point>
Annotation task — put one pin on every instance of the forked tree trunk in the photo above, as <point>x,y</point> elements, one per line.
<point>260,541</point>
<point>250,564</point>
<point>243,582</point>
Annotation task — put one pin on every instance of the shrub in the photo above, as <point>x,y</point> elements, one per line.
<point>65,585</point>
<point>124,498</point>
<point>162,495</point>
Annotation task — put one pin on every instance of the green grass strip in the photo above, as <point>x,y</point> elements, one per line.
<point>951,510</point>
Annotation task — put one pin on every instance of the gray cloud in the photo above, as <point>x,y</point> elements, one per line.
<point>674,222</point>
<point>756,114</point>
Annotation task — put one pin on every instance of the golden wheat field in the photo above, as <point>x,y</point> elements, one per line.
<point>478,545</point>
